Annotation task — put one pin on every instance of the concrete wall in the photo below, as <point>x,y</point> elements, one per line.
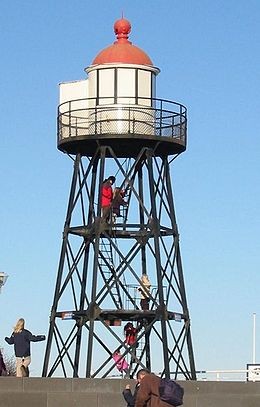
<point>51,392</point>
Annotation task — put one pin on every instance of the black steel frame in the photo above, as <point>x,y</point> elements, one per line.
<point>93,285</point>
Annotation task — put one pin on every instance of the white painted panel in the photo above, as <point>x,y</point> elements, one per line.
<point>73,110</point>
<point>144,84</point>
<point>73,90</point>
<point>126,82</point>
<point>106,82</point>
<point>92,84</point>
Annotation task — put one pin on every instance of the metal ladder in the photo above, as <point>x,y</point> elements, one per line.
<point>107,268</point>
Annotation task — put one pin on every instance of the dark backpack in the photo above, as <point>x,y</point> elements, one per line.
<point>171,392</point>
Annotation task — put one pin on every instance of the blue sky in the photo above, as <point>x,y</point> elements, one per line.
<point>208,53</point>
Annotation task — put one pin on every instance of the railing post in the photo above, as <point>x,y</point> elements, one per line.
<point>58,125</point>
<point>160,117</point>
<point>96,117</point>
<point>70,118</point>
<point>129,119</point>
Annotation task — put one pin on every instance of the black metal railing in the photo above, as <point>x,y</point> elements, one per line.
<point>147,117</point>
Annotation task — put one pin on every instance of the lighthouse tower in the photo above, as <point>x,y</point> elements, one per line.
<point>119,302</point>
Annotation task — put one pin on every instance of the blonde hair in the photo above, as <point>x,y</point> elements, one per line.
<point>145,280</point>
<point>19,325</point>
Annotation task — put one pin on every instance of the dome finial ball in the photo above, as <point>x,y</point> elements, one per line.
<point>122,28</point>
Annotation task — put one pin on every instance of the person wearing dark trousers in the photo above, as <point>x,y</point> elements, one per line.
<point>145,291</point>
<point>117,202</point>
<point>21,339</point>
<point>3,371</point>
<point>130,397</point>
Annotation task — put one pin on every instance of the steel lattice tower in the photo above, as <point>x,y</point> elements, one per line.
<point>112,124</point>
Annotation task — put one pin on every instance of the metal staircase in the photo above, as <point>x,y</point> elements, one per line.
<point>108,271</point>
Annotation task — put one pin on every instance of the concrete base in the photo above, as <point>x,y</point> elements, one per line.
<point>51,392</point>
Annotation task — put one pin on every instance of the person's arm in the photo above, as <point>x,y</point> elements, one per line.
<point>10,340</point>
<point>128,396</point>
<point>120,200</point>
<point>35,338</point>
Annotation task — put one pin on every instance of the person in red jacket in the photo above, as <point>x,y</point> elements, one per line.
<point>107,197</point>
<point>130,334</point>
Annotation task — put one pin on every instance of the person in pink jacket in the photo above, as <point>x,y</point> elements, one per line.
<point>120,361</point>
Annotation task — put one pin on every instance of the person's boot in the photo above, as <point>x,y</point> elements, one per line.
<point>23,370</point>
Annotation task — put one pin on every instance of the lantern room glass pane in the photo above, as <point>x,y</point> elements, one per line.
<point>126,85</point>
<point>106,86</point>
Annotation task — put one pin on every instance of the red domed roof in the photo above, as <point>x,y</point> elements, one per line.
<point>122,51</point>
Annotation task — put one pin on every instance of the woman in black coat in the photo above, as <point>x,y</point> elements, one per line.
<point>21,339</point>
<point>129,396</point>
